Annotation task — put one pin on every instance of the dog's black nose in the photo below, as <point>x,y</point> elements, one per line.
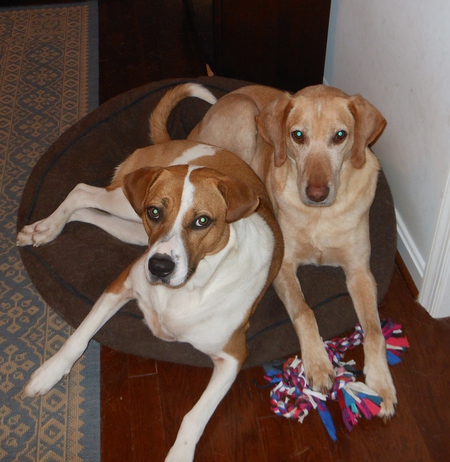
<point>161,265</point>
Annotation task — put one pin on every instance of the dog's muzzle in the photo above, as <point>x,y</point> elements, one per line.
<point>161,266</point>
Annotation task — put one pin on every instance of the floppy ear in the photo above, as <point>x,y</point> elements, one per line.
<point>241,200</point>
<point>369,124</point>
<point>271,122</point>
<point>136,184</point>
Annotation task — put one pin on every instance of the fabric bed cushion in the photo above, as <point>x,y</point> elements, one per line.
<point>72,271</point>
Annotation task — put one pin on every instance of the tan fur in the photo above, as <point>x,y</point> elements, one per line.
<point>147,157</point>
<point>258,123</point>
<point>118,285</point>
<point>157,125</point>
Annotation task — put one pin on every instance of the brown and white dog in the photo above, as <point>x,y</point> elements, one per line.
<point>214,247</point>
<point>311,149</point>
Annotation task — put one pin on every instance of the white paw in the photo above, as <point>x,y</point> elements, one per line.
<point>48,375</point>
<point>180,454</point>
<point>40,232</point>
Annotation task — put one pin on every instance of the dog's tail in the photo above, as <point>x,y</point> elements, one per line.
<point>160,115</point>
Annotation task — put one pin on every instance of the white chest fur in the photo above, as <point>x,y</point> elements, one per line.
<point>215,300</point>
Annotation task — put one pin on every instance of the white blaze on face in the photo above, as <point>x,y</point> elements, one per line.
<point>172,243</point>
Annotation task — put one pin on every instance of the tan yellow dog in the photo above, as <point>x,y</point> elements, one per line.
<point>311,149</point>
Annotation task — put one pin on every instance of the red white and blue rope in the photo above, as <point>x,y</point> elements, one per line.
<point>291,396</point>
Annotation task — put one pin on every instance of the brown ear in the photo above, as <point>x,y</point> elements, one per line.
<point>241,200</point>
<point>136,184</point>
<point>369,124</point>
<point>271,123</point>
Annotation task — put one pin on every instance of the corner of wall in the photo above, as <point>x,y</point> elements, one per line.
<point>435,290</point>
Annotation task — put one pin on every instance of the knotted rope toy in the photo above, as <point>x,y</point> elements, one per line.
<point>291,397</point>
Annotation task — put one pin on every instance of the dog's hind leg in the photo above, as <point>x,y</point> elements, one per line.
<point>81,197</point>
<point>53,370</point>
<point>318,368</point>
<point>226,368</point>
<point>131,232</point>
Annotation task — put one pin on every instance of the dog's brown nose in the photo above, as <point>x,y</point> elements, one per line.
<point>161,265</point>
<point>317,193</point>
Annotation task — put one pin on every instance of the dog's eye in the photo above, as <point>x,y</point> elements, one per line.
<point>153,213</point>
<point>297,136</point>
<point>202,222</point>
<point>340,136</point>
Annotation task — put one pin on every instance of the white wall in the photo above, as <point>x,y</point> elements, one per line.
<point>397,55</point>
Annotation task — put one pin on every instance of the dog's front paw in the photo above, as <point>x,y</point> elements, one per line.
<point>40,232</point>
<point>319,371</point>
<point>44,378</point>
<point>180,454</point>
<point>383,384</point>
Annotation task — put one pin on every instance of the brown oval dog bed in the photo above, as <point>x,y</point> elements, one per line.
<point>72,271</point>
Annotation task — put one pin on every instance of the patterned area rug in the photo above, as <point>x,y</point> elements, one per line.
<point>48,80</point>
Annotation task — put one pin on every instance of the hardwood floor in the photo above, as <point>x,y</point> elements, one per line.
<point>144,401</point>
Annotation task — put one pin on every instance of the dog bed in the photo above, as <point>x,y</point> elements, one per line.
<point>72,271</point>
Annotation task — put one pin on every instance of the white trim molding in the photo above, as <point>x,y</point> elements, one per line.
<point>435,292</point>
<point>409,252</point>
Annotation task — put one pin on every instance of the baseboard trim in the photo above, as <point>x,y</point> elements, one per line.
<point>409,252</point>
<point>404,271</point>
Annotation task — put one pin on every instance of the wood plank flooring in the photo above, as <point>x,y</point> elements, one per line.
<point>144,402</point>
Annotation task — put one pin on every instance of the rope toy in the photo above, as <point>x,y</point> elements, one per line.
<point>291,397</point>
